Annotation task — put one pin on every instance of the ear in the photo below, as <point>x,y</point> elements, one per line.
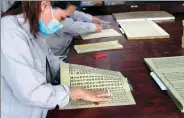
<point>44,5</point>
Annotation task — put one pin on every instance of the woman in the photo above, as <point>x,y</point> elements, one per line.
<point>76,24</point>
<point>27,91</point>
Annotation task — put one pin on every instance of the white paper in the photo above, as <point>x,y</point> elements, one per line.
<point>157,80</point>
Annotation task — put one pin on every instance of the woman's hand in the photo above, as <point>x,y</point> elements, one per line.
<point>98,28</point>
<point>98,3</point>
<point>96,20</point>
<point>83,94</point>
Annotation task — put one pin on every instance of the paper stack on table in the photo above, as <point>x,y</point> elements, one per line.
<point>170,71</point>
<point>142,29</point>
<point>102,34</point>
<point>108,45</point>
<point>96,79</point>
<point>143,15</point>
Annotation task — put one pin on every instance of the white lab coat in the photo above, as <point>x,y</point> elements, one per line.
<point>114,2</point>
<point>6,4</point>
<point>25,92</point>
<point>78,23</point>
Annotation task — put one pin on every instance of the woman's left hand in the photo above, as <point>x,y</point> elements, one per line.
<point>96,20</point>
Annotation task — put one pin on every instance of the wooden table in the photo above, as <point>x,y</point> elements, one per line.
<point>151,102</point>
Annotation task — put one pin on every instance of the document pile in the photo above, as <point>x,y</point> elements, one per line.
<point>139,25</point>
<point>142,29</point>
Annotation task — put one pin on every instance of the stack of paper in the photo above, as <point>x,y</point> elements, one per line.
<point>142,29</point>
<point>102,34</point>
<point>94,79</point>
<point>108,45</point>
<point>170,71</point>
<point>143,15</point>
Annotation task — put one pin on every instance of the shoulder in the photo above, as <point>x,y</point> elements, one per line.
<point>12,35</point>
<point>8,22</point>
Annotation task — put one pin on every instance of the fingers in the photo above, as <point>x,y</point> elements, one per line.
<point>102,99</point>
<point>105,94</point>
<point>98,28</point>
<point>100,96</point>
<point>97,20</point>
<point>101,28</point>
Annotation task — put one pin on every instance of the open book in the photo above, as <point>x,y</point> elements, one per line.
<point>170,70</point>
<point>142,29</point>
<point>143,15</point>
<point>96,79</point>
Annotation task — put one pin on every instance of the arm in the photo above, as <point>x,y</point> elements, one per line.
<point>81,16</point>
<point>54,62</point>
<point>28,84</point>
<point>77,27</point>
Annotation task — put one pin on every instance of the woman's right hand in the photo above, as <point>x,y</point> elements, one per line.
<point>98,28</point>
<point>93,96</point>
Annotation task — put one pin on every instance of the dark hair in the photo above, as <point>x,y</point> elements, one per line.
<point>64,4</point>
<point>32,10</point>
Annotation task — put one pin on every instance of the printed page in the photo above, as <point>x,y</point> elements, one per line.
<point>163,63</point>
<point>142,29</point>
<point>117,86</point>
<point>170,70</point>
<point>93,47</point>
<point>82,70</point>
<point>174,81</point>
<point>102,34</point>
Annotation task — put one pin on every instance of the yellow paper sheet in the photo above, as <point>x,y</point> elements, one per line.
<point>99,79</point>
<point>102,34</point>
<point>171,72</point>
<point>142,29</point>
<point>93,47</point>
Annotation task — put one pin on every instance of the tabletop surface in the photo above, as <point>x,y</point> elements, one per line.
<point>151,102</point>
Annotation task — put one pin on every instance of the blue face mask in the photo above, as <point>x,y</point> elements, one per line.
<point>52,27</point>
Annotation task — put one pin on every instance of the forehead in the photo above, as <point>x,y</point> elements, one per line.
<point>59,13</point>
<point>71,7</point>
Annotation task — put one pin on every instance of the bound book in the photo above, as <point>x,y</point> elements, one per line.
<point>170,70</point>
<point>95,79</point>
<point>143,29</point>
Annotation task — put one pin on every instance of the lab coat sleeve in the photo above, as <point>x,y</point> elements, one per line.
<point>28,84</point>
<point>75,28</point>
<point>54,61</point>
<point>81,16</point>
